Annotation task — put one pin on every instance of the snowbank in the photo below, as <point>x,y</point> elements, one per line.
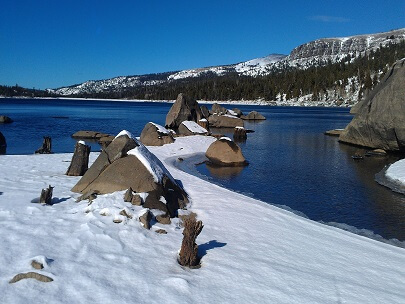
<point>252,252</point>
<point>396,172</point>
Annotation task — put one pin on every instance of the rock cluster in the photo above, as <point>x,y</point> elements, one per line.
<point>380,118</point>
<point>184,108</point>
<point>126,163</point>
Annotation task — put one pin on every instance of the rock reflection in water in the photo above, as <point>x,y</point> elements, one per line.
<point>224,172</point>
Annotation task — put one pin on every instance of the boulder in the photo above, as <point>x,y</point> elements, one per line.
<point>89,135</point>
<point>155,135</point>
<point>253,116</point>
<point>237,111</point>
<point>225,152</point>
<point>5,119</point>
<point>239,133</point>
<point>217,109</point>
<point>127,163</point>
<point>225,121</point>
<point>105,141</point>
<point>191,128</point>
<point>205,112</point>
<point>380,119</point>
<point>185,108</point>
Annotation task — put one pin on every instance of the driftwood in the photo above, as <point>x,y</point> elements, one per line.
<point>80,160</point>
<point>46,196</point>
<point>189,249</point>
<point>46,146</point>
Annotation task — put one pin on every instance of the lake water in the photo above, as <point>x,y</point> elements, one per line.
<point>291,162</point>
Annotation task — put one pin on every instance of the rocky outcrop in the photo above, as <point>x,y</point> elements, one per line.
<point>155,135</point>
<point>380,119</point>
<point>127,163</point>
<point>191,128</point>
<point>184,108</point>
<point>253,115</point>
<point>225,152</point>
<point>5,119</point>
<point>225,121</point>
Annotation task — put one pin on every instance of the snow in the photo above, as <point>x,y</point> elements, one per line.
<point>396,172</point>
<point>252,252</point>
<point>231,112</point>
<point>225,138</point>
<point>194,127</point>
<point>82,142</point>
<point>127,133</point>
<point>160,129</point>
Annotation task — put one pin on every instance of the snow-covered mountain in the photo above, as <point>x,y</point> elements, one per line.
<point>315,53</point>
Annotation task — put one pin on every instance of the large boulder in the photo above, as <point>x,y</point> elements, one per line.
<point>184,108</point>
<point>5,119</point>
<point>380,118</point>
<point>253,115</point>
<point>218,109</point>
<point>205,112</point>
<point>127,163</point>
<point>191,128</point>
<point>155,135</point>
<point>225,152</point>
<point>225,121</point>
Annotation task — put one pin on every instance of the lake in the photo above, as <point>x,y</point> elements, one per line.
<point>292,163</point>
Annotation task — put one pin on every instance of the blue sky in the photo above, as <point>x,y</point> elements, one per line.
<point>48,44</point>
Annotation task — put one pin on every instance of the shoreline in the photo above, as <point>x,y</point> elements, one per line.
<point>316,104</point>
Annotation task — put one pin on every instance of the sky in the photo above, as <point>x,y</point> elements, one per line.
<point>53,43</point>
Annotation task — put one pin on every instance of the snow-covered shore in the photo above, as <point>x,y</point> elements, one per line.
<point>252,252</point>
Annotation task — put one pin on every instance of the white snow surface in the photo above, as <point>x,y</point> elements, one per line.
<point>252,252</point>
<point>160,129</point>
<point>225,138</point>
<point>396,172</point>
<point>194,127</point>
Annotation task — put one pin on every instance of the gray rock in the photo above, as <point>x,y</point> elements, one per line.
<point>185,108</point>
<point>225,121</point>
<point>145,219</point>
<point>163,219</point>
<point>5,119</point>
<point>253,116</point>
<point>89,135</point>
<point>238,112</point>
<point>152,136</point>
<point>380,118</point>
<point>217,109</point>
<point>205,111</point>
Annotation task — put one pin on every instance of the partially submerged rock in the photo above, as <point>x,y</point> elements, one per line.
<point>334,132</point>
<point>253,115</point>
<point>185,108</point>
<point>225,152</point>
<point>239,133</point>
<point>155,135</point>
<point>89,135</point>
<point>380,118</point>
<point>225,121</point>
<point>191,128</point>
<point>127,163</point>
<point>218,109</point>
<point>5,119</point>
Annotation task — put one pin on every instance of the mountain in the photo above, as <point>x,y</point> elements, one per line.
<point>318,53</point>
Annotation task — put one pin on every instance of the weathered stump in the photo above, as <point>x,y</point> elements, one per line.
<point>239,133</point>
<point>46,196</point>
<point>46,146</point>
<point>189,249</point>
<point>80,160</point>
<point>3,144</point>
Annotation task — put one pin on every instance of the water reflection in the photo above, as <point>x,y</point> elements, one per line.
<point>223,172</point>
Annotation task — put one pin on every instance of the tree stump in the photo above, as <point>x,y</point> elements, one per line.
<point>239,134</point>
<point>80,160</point>
<point>46,146</point>
<point>46,196</point>
<point>189,249</point>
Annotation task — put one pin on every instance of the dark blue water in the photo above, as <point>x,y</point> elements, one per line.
<point>291,162</point>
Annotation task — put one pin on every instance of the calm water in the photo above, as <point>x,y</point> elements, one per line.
<point>291,162</point>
